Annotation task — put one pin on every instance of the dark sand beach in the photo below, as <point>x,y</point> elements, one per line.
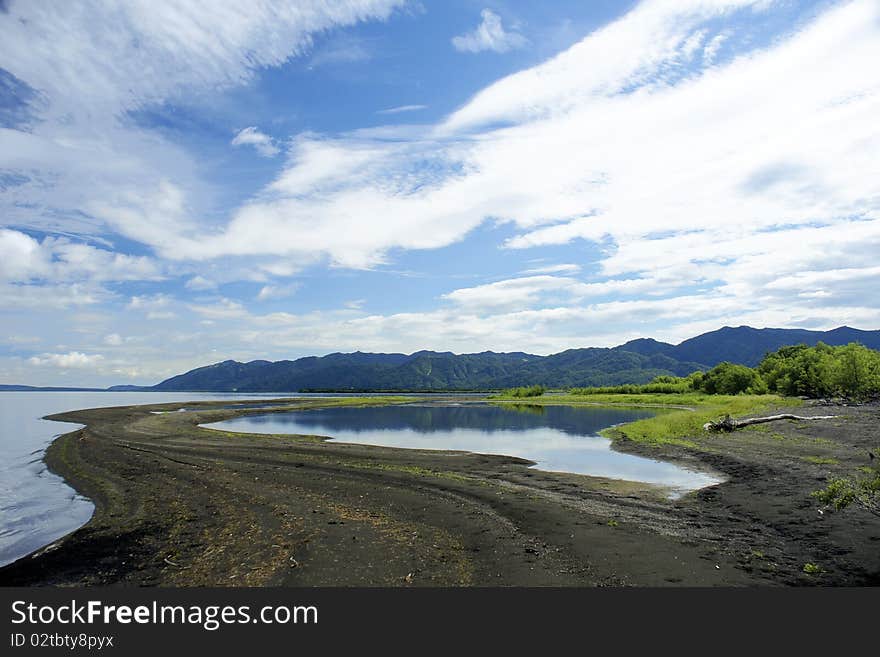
<point>181,505</point>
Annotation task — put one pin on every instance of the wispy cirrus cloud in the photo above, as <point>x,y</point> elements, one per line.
<point>159,50</point>
<point>718,170</point>
<point>82,164</point>
<point>558,169</point>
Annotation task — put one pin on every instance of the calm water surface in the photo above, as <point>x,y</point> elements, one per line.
<point>556,438</point>
<point>36,506</point>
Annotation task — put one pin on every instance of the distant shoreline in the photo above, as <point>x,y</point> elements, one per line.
<point>17,388</point>
<point>310,391</point>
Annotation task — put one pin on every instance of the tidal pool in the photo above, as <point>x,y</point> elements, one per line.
<point>556,438</point>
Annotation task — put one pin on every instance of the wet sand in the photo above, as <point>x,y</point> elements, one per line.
<point>181,505</point>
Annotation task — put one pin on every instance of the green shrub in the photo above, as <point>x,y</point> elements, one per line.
<point>839,493</point>
<point>529,391</point>
<point>842,492</point>
<point>731,379</point>
<point>852,371</point>
<point>663,385</point>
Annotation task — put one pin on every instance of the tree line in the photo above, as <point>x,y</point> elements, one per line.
<point>851,370</point>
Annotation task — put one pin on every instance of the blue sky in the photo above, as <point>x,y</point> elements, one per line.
<point>186,182</point>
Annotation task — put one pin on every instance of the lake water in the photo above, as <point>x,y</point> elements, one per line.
<point>556,438</point>
<point>36,506</point>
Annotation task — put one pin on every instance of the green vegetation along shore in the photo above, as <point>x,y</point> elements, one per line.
<point>682,415</point>
<point>851,371</point>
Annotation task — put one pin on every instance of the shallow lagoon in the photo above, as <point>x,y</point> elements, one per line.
<point>556,438</point>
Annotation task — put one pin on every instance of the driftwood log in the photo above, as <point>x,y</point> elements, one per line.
<point>729,424</point>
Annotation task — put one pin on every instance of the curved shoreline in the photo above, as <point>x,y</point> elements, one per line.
<point>48,483</point>
<point>593,456</point>
<point>180,505</point>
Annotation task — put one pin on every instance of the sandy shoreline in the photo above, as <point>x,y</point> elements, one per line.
<point>180,505</point>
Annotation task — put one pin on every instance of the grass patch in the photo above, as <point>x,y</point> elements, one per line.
<point>681,422</point>
<point>688,399</point>
<point>841,492</point>
<point>821,460</point>
<point>665,388</point>
<point>685,427</point>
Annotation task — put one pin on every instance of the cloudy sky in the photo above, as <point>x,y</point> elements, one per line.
<point>186,182</point>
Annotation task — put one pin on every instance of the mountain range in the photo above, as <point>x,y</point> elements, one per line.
<point>637,361</point>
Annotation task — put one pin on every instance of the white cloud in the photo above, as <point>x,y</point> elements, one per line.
<point>149,302</point>
<point>23,258</point>
<point>567,268</point>
<point>113,339</point>
<point>41,296</point>
<point>539,330</point>
<point>717,173</point>
<point>710,52</point>
<point>692,158</point>
<point>161,314</point>
<point>251,136</point>
<point>160,50</point>
<point>84,164</point>
<point>344,49</point>
<point>512,293</point>
<point>223,309</point>
<point>199,282</point>
<point>22,339</point>
<point>154,307</point>
<point>531,291</point>
<point>269,292</point>
<point>58,259</point>
<point>489,35</point>
<point>70,360</point>
<point>402,108</point>
<point>621,56</point>
<point>716,161</point>
<point>693,43</point>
